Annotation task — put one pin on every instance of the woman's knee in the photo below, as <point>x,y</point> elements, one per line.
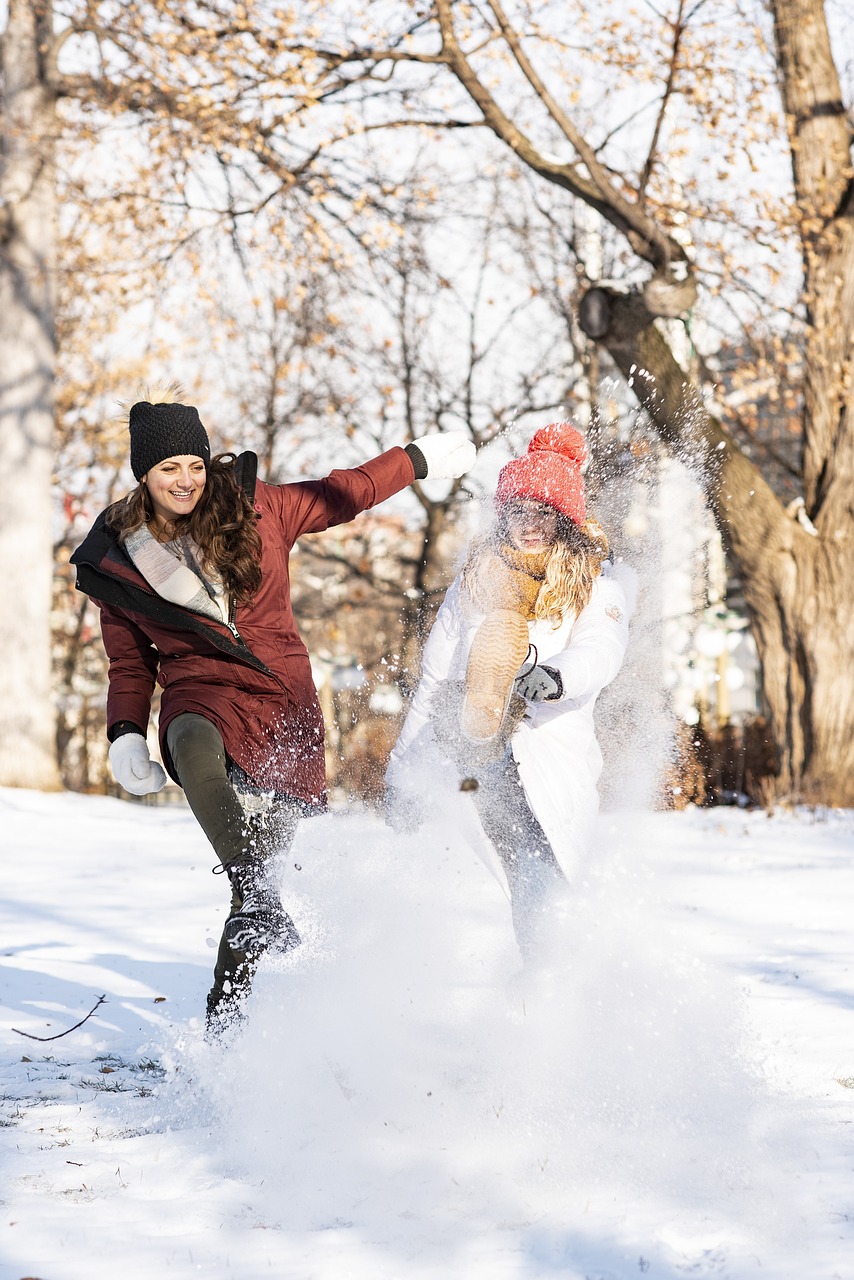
<point>194,743</point>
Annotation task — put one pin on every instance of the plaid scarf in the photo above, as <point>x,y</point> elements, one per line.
<point>173,570</point>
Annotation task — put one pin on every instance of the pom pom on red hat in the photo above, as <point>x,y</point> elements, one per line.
<point>549,472</point>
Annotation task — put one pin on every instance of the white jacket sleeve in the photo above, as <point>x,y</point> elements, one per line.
<point>436,663</point>
<point>598,642</point>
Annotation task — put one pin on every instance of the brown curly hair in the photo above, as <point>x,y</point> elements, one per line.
<point>223,525</point>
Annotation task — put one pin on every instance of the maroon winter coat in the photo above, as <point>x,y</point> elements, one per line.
<point>256,686</point>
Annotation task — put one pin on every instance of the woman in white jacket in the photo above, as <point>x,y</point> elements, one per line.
<point>531,631</point>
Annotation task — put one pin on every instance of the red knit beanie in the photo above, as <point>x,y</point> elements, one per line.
<point>550,471</point>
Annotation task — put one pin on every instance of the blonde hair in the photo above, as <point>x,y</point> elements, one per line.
<point>572,569</point>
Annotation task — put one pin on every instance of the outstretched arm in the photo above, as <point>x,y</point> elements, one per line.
<point>308,506</point>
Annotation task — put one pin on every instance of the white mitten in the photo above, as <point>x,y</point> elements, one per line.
<point>132,766</point>
<point>540,684</point>
<point>446,454</point>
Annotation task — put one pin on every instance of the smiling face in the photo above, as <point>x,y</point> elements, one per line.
<point>531,525</point>
<point>174,487</point>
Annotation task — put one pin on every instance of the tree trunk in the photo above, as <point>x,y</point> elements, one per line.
<point>820,144</point>
<point>798,585</point>
<point>797,568</point>
<point>803,616</point>
<point>27,284</point>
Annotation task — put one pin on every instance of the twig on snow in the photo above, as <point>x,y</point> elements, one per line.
<point>101,1000</point>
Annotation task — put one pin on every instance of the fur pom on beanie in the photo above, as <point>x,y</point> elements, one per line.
<point>549,472</point>
<point>161,428</point>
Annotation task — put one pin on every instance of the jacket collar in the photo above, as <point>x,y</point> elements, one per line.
<point>106,573</point>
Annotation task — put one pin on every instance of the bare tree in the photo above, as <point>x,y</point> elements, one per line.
<point>247,113</point>
<point>794,559</point>
<point>173,184</point>
<point>419,343</point>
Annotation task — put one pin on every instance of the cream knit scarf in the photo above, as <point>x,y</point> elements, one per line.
<point>173,570</point>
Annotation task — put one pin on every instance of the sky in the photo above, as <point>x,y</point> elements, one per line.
<point>668,1092</point>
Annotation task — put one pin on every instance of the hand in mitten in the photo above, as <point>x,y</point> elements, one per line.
<point>443,456</point>
<point>132,766</point>
<point>540,684</point>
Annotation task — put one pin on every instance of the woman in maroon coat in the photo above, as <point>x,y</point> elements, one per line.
<point>190,572</point>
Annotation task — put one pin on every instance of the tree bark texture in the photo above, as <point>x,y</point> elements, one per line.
<point>797,569</point>
<point>798,584</point>
<point>27,357</point>
<point>820,143</point>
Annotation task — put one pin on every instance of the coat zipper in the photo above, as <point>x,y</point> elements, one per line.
<point>227,622</point>
<point>232,613</point>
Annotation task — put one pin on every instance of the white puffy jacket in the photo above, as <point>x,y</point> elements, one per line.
<point>555,745</point>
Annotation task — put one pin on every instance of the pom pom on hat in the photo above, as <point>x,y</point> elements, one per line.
<point>549,472</point>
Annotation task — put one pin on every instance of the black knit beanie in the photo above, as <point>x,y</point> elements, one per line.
<point>159,431</point>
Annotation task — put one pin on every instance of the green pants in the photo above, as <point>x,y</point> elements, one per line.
<point>204,771</point>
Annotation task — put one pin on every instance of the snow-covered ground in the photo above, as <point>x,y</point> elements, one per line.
<point>671,1095</point>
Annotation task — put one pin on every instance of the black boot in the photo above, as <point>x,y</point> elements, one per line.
<point>224,1011</point>
<point>260,922</point>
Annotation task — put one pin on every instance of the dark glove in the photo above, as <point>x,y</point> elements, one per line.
<point>540,684</point>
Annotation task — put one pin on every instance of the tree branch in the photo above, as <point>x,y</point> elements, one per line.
<point>596,190</point>
<point>57,44</point>
<point>662,249</point>
<point>743,503</point>
<point>678,28</point>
